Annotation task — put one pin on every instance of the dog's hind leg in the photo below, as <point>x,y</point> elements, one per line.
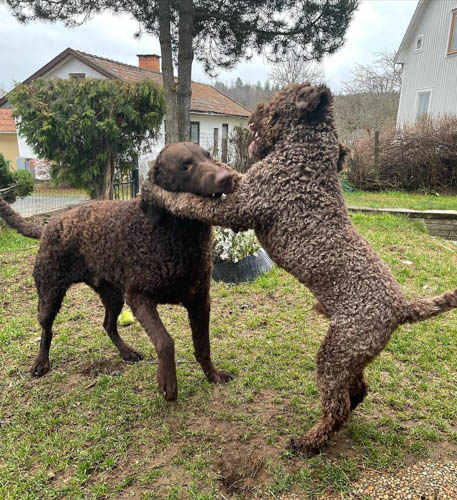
<point>145,310</point>
<point>357,390</point>
<point>49,302</point>
<point>347,349</point>
<point>113,300</point>
<point>198,308</point>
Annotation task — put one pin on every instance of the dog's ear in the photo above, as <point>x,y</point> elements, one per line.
<point>345,152</point>
<point>313,101</point>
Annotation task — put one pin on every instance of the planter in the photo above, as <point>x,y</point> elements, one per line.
<point>246,269</point>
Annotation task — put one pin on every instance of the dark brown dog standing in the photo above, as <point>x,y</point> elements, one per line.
<point>135,251</point>
<point>293,199</point>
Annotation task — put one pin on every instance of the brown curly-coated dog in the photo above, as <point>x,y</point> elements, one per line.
<point>293,200</point>
<point>137,251</point>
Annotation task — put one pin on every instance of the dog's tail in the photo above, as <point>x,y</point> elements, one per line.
<point>426,308</point>
<point>17,222</point>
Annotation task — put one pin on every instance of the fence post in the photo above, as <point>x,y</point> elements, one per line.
<point>135,182</point>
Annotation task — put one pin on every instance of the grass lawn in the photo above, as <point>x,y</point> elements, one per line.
<point>398,199</point>
<point>94,427</point>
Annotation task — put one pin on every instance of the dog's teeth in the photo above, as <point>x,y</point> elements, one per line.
<point>223,196</point>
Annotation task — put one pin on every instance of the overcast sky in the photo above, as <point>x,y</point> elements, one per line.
<point>378,25</point>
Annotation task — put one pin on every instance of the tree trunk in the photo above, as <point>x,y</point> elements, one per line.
<point>185,58</point>
<point>169,85</point>
<point>104,185</point>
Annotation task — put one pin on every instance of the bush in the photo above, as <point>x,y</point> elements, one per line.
<point>422,157</point>
<point>239,141</point>
<point>20,179</point>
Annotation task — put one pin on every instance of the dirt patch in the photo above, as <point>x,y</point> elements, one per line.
<point>95,367</point>
<point>240,473</point>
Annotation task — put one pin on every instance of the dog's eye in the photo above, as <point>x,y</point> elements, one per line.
<point>186,165</point>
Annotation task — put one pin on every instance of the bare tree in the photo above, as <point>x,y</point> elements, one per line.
<point>370,99</point>
<point>295,68</point>
<point>381,77</point>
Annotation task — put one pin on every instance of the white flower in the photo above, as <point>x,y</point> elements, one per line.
<point>232,247</point>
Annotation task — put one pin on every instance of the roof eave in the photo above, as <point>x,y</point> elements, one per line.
<point>417,16</point>
<point>216,113</point>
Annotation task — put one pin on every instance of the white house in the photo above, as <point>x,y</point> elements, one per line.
<point>428,55</point>
<point>213,114</point>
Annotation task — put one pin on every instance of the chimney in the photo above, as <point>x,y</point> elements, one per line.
<point>149,61</point>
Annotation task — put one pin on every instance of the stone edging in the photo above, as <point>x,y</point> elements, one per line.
<point>441,223</point>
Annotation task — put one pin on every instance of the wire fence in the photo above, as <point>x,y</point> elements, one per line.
<point>46,198</point>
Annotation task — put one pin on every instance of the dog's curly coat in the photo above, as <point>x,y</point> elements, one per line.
<point>293,200</point>
<point>137,252</point>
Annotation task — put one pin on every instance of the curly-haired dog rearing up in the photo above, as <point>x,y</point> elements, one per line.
<point>293,200</point>
<point>137,251</point>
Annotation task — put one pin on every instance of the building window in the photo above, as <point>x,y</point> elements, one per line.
<point>195,132</point>
<point>224,150</point>
<point>77,76</point>
<point>423,103</point>
<point>216,143</point>
<point>419,44</point>
<point>452,47</point>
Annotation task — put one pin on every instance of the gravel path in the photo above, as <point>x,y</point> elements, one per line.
<point>423,480</point>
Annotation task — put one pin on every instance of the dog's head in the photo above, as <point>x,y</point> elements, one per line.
<point>186,167</point>
<point>294,109</point>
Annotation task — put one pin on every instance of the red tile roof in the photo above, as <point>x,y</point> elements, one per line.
<point>7,123</point>
<point>205,98</point>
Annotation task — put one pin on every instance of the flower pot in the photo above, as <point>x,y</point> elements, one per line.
<point>246,269</point>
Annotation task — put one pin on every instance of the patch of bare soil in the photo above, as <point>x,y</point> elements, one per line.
<point>95,367</point>
<point>242,474</point>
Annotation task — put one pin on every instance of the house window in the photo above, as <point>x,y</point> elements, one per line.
<point>195,132</point>
<point>224,151</point>
<point>423,103</point>
<point>452,47</point>
<point>77,76</point>
<point>216,143</point>
<point>419,43</point>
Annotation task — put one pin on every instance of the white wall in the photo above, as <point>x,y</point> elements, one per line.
<point>207,125</point>
<point>431,68</point>
<point>72,65</point>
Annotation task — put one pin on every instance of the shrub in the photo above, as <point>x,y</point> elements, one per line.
<point>229,246</point>
<point>20,179</point>
<point>422,157</point>
<point>239,141</point>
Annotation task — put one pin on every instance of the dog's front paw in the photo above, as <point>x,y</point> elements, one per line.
<point>219,377</point>
<point>168,386</point>
<point>299,447</point>
<point>131,356</point>
<point>40,367</point>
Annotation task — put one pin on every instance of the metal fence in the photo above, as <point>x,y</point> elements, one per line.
<point>126,186</point>
<point>46,198</point>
